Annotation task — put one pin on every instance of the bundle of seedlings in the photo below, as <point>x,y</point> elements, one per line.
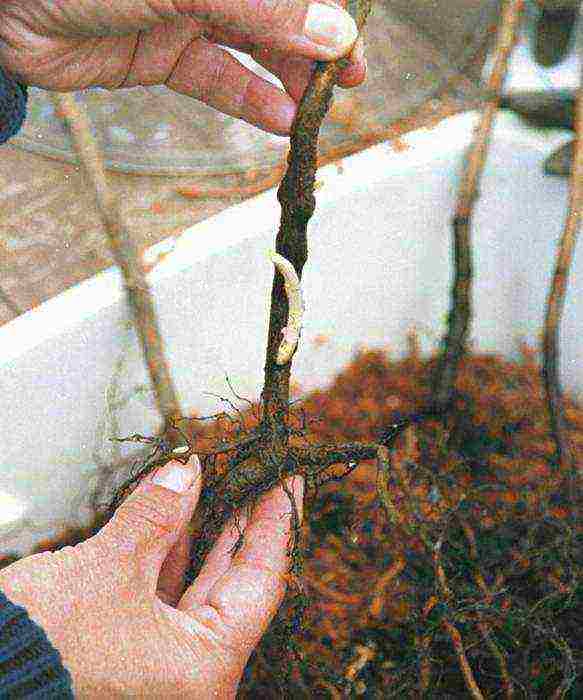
<point>476,574</point>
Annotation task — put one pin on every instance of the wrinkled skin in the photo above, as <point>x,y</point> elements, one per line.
<point>115,608</point>
<point>74,44</point>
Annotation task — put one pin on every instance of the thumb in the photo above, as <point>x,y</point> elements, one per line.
<point>315,29</point>
<point>148,524</point>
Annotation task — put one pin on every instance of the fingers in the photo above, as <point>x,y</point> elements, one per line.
<point>149,522</point>
<point>268,532</point>
<point>213,76</point>
<point>171,581</point>
<point>317,30</point>
<point>295,71</point>
<point>248,595</point>
<point>216,564</point>
<point>155,512</point>
<point>355,73</point>
<point>209,73</point>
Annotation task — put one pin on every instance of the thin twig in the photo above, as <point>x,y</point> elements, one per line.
<point>458,645</point>
<point>379,594</point>
<point>450,628</point>
<point>252,405</point>
<point>229,447</point>
<point>383,484</point>
<point>126,256</point>
<point>322,457</point>
<point>556,299</point>
<point>461,309</point>
<point>484,628</point>
<point>362,655</point>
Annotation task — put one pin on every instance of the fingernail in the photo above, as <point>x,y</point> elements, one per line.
<point>177,477</point>
<point>330,26</point>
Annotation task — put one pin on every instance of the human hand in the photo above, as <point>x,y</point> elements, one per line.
<point>75,44</point>
<point>114,605</point>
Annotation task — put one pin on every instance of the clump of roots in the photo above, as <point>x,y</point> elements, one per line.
<point>248,456</point>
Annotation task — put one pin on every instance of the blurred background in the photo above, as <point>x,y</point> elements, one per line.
<point>175,161</point>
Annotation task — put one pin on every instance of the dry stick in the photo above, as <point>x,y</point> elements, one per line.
<point>556,301</point>
<point>423,644</point>
<point>126,256</point>
<point>461,309</point>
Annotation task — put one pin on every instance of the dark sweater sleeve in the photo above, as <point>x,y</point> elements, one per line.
<point>30,667</point>
<point>13,98</point>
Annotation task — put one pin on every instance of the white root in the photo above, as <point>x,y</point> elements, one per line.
<point>291,332</point>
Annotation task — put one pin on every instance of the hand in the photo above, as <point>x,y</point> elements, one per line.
<point>114,605</point>
<point>74,44</point>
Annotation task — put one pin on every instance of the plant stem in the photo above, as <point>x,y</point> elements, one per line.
<point>466,669</point>
<point>486,629</point>
<point>556,299</point>
<point>296,196</point>
<point>126,256</point>
<point>461,306</point>
<point>269,459</point>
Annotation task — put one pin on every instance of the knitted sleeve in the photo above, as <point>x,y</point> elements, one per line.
<point>30,667</point>
<point>13,98</point>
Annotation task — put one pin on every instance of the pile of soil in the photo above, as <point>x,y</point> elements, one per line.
<point>488,496</point>
<point>466,581</point>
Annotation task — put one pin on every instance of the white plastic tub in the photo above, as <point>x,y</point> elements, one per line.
<point>379,265</point>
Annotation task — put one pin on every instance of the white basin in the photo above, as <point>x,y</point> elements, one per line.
<point>379,265</point>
